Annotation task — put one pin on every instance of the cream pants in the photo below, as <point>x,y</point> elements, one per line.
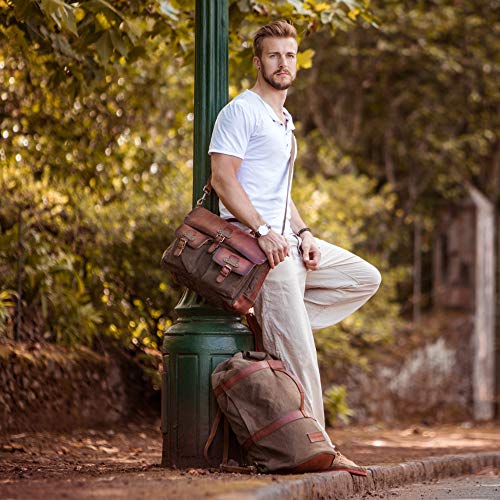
<point>294,301</point>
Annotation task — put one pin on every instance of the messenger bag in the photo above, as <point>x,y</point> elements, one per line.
<point>219,261</point>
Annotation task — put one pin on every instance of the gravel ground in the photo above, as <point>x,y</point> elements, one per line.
<point>123,462</point>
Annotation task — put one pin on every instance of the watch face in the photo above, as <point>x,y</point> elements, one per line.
<point>263,230</point>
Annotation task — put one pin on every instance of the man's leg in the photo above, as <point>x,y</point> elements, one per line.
<point>286,329</point>
<point>341,285</point>
<point>293,299</point>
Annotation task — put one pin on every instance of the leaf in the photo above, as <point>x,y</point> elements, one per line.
<point>104,47</point>
<point>133,29</point>
<point>320,7</point>
<point>62,13</point>
<point>353,14</point>
<point>110,7</point>
<point>304,59</point>
<point>118,42</point>
<point>299,7</point>
<point>168,10</point>
<point>326,16</point>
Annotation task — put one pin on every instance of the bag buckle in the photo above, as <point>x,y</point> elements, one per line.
<point>219,238</point>
<point>225,271</point>
<point>183,242</point>
<point>181,245</point>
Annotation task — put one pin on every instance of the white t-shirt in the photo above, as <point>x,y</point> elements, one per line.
<point>248,128</point>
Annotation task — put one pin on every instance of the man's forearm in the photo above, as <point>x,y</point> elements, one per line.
<point>296,221</point>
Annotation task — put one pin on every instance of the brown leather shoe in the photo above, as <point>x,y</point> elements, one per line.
<point>341,463</point>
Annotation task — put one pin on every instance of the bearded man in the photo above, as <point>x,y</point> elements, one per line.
<point>312,284</point>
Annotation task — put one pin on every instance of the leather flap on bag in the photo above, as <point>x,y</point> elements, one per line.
<point>316,437</point>
<point>239,265</point>
<point>194,238</point>
<point>207,222</point>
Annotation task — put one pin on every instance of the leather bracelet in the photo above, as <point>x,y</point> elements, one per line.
<point>303,230</point>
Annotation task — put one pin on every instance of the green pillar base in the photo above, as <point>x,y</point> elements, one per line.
<point>201,338</point>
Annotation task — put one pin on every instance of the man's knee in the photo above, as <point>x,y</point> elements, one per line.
<point>374,278</point>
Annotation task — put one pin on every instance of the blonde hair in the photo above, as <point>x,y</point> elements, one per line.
<point>276,29</point>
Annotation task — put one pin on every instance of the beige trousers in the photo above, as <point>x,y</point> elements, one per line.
<point>294,301</point>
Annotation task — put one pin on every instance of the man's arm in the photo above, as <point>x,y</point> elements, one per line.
<point>235,199</point>
<point>310,251</point>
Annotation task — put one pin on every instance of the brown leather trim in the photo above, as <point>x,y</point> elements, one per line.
<point>207,222</point>
<point>213,432</point>
<point>254,326</point>
<point>322,461</point>
<point>274,364</point>
<point>315,437</point>
<point>272,427</point>
<point>239,375</point>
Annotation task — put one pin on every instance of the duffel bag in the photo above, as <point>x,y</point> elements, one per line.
<point>264,405</point>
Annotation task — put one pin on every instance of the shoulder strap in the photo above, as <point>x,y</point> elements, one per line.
<point>291,163</point>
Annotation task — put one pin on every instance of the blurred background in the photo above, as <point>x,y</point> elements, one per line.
<point>396,107</point>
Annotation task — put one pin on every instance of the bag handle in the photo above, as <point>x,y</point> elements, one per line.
<point>207,188</point>
<point>213,432</point>
<point>224,466</point>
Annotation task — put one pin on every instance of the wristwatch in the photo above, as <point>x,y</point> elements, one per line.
<point>262,230</point>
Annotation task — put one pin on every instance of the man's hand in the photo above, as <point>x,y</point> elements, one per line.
<point>310,251</point>
<point>275,246</point>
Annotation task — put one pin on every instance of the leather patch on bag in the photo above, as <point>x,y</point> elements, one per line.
<point>191,237</point>
<point>237,264</point>
<point>315,437</point>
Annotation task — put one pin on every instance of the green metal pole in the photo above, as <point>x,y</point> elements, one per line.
<point>210,85</point>
<point>202,336</point>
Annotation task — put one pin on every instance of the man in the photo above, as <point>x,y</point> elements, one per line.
<point>312,284</point>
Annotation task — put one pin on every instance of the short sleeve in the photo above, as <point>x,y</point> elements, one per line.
<point>232,129</point>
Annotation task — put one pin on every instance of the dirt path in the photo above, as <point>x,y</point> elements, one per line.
<point>124,462</point>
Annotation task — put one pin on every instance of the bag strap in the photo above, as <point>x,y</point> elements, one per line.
<point>207,188</point>
<point>224,466</point>
<point>272,427</point>
<point>255,328</point>
<point>213,432</point>
<point>291,163</point>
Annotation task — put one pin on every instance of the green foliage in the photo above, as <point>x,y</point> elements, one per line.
<point>101,178</point>
<point>336,407</point>
<point>349,211</point>
<point>413,106</point>
<point>77,41</point>
<point>96,122</point>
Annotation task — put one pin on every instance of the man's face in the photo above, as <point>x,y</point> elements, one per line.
<point>278,62</point>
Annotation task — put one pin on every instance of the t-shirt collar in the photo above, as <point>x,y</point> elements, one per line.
<point>288,117</point>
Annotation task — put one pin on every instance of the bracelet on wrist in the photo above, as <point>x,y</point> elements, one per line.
<point>303,230</point>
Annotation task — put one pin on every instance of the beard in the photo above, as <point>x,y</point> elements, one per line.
<point>275,83</point>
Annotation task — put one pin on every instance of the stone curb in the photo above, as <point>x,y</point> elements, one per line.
<point>339,485</point>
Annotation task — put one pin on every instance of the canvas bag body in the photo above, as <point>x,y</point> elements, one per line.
<point>264,405</point>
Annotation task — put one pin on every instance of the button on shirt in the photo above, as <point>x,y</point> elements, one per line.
<point>248,128</point>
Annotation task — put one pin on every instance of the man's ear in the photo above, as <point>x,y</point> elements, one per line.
<point>256,62</point>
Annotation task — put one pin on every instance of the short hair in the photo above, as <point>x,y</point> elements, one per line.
<point>276,29</point>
